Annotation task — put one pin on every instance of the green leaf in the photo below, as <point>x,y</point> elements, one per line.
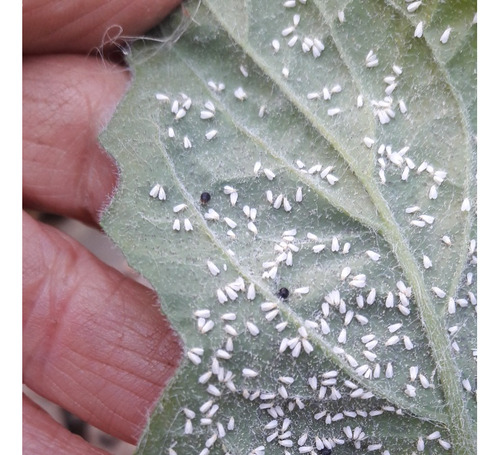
<point>339,335</point>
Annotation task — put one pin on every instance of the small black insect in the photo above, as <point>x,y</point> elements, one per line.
<point>324,451</point>
<point>205,198</point>
<point>283,293</point>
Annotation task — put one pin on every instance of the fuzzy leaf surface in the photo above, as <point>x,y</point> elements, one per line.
<point>296,109</point>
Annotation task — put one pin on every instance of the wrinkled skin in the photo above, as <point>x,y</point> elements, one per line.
<point>94,340</point>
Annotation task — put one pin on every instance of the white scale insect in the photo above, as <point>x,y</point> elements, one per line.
<point>368,141</point>
<point>158,192</point>
<point>419,30</point>
<point>209,135</point>
<point>445,36</point>
<point>413,6</point>
<point>240,94</point>
<point>371,59</point>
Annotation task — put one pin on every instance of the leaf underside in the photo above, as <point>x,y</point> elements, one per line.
<point>280,118</point>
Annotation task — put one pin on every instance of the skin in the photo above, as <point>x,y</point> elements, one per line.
<point>94,340</point>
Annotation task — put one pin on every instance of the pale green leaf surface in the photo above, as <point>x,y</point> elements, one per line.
<point>438,86</point>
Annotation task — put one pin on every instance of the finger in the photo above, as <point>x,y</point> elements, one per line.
<point>94,341</point>
<point>42,435</point>
<point>55,26</point>
<point>67,100</point>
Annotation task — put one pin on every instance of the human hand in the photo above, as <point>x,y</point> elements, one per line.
<point>94,341</point>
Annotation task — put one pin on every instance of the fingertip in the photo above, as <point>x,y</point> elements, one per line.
<point>55,26</point>
<point>68,101</point>
<point>95,341</point>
